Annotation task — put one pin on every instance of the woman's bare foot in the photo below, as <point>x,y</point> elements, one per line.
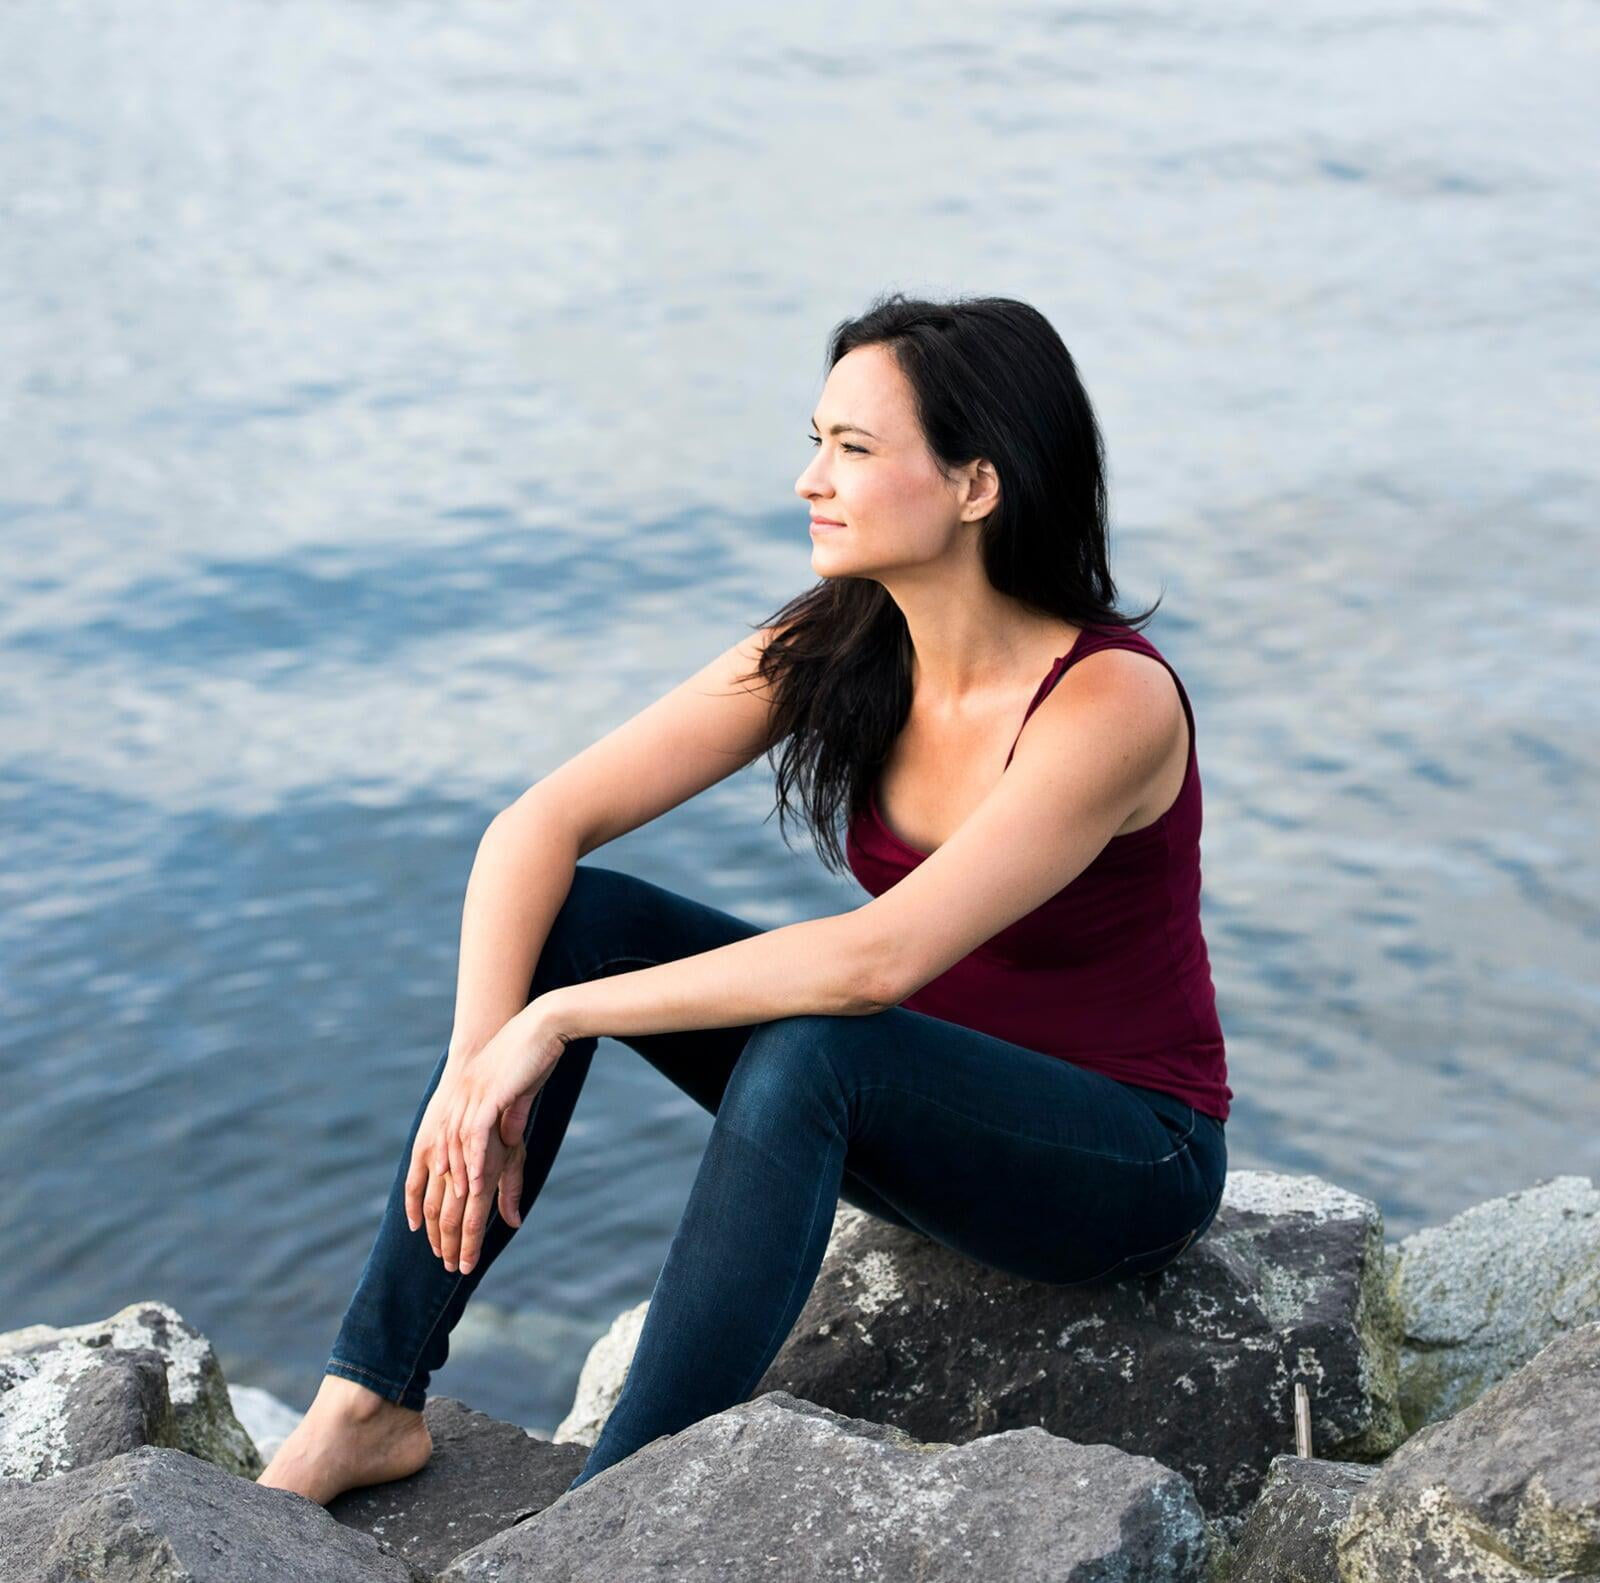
<point>350,1437</point>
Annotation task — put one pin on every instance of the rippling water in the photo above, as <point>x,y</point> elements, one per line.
<point>396,398</point>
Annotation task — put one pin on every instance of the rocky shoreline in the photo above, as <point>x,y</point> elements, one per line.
<point>927,1418</point>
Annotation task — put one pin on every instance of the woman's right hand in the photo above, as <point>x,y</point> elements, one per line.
<point>433,1198</point>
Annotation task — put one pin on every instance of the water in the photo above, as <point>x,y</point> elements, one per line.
<point>397,397</point>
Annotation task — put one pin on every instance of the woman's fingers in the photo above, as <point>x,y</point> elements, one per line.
<point>458,1160</point>
<point>450,1213</point>
<point>421,1154</point>
<point>484,1163</point>
<point>476,1127</point>
<point>432,1199</point>
<point>463,1136</point>
<point>514,1119</point>
<point>511,1187</point>
<point>416,1187</point>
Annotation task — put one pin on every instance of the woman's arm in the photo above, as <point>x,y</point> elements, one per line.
<point>700,732</point>
<point>520,877</point>
<point>828,966</point>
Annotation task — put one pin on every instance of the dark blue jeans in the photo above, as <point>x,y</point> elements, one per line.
<point>1016,1159</point>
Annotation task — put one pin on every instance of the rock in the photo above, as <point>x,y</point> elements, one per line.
<point>1222,1533</point>
<point>601,1378</point>
<point>779,1487</point>
<point>1290,1534</point>
<point>66,1405</point>
<point>1194,1366</point>
<point>484,1476</point>
<point>1481,1294</point>
<point>156,1515</point>
<point>266,1418</point>
<point>1507,1490</point>
<point>55,1416</point>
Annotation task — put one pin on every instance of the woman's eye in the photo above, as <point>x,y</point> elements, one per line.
<point>816,439</point>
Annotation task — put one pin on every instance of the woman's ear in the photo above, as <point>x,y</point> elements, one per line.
<point>983,492</point>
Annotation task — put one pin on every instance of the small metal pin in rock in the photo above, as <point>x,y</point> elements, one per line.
<point>1302,1420</point>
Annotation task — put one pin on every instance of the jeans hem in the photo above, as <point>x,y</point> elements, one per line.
<point>405,1395</point>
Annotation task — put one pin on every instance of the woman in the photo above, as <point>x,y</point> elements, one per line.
<point>1011,1047</point>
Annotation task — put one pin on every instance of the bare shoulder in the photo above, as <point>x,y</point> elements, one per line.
<point>1120,679</point>
<point>1124,705</point>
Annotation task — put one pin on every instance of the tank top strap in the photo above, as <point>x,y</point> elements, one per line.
<point>1088,640</point>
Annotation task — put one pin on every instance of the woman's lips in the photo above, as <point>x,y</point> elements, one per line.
<point>822,523</point>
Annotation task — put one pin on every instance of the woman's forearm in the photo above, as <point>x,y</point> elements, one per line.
<point>827,966</point>
<point>520,877</point>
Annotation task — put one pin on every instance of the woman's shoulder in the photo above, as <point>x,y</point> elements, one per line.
<point>1139,673</point>
<point>1095,638</point>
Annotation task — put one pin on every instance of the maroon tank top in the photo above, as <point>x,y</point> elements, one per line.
<point>1111,972</point>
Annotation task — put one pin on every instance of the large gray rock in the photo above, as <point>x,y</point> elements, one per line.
<point>1482,1293</point>
<point>484,1475</point>
<point>67,1405</point>
<point>1194,1366</point>
<point>781,1488</point>
<point>1291,1532</point>
<point>1507,1490</point>
<point>156,1515</point>
<point>74,1394</point>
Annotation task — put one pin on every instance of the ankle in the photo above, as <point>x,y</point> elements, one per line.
<point>349,1402</point>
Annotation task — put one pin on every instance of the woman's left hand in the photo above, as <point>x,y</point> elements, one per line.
<point>484,1128</point>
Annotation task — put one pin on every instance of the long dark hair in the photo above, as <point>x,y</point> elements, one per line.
<point>990,378</point>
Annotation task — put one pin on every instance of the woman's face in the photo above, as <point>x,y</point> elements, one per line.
<point>883,485</point>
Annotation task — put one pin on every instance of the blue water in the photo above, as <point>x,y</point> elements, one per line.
<point>396,398</point>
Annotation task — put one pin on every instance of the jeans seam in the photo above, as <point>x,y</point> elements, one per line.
<point>1007,1132</point>
<point>1132,1258</point>
<point>794,1280</point>
<point>1183,1243</point>
<point>355,1368</point>
<point>380,1379</point>
<point>455,1286</point>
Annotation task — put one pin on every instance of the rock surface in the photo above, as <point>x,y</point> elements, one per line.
<point>156,1515</point>
<point>74,1394</point>
<point>777,1487</point>
<point>1482,1293</point>
<point>1194,1366</point>
<point>928,1417</point>
<point>1507,1490</point>
<point>484,1476</point>
<point>67,1405</point>
<point>1292,1530</point>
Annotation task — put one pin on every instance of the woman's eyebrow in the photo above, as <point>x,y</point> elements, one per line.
<point>845,428</point>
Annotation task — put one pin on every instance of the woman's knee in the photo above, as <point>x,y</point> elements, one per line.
<point>784,1058</point>
<point>596,893</point>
